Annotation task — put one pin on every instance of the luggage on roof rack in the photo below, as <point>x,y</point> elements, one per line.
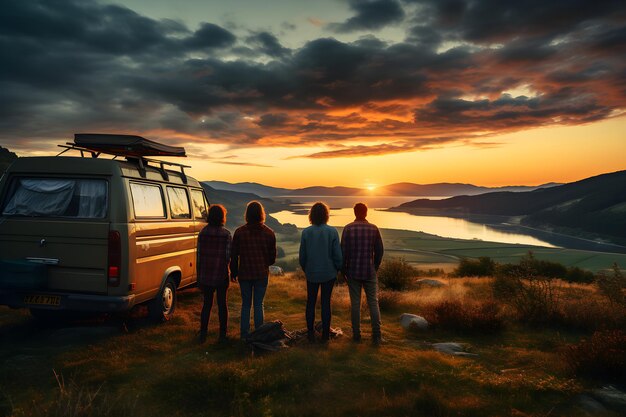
<point>125,145</point>
<point>134,148</point>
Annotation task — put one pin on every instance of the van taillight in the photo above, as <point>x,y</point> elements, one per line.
<point>115,258</point>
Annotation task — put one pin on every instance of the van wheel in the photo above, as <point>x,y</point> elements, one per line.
<point>162,307</point>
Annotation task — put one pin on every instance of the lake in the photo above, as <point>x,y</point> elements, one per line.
<point>342,214</point>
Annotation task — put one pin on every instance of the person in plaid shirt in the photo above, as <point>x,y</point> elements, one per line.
<point>213,256</point>
<point>253,251</point>
<point>362,248</point>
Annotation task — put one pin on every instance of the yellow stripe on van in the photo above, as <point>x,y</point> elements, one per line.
<point>165,255</point>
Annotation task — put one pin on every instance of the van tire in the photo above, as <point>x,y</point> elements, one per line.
<point>162,308</point>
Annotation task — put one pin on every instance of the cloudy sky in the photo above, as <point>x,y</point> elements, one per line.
<point>327,92</point>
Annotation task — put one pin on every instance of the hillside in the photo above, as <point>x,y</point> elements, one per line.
<point>235,203</point>
<point>328,191</point>
<point>249,187</point>
<point>397,189</point>
<point>6,158</point>
<point>125,366</point>
<point>451,189</point>
<point>596,205</point>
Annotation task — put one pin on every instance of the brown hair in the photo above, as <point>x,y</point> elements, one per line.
<point>319,214</point>
<point>360,210</point>
<point>217,215</point>
<point>255,213</point>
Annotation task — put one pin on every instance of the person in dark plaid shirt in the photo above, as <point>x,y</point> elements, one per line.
<point>253,251</point>
<point>362,248</point>
<point>213,256</point>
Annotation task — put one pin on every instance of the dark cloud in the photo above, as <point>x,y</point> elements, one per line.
<point>210,36</point>
<point>370,15</point>
<point>500,21</point>
<point>273,120</point>
<point>81,65</point>
<point>268,44</point>
<point>506,112</point>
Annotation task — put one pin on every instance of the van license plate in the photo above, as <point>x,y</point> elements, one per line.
<point>43,300</point>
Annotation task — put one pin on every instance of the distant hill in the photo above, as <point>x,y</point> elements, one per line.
<point>235,203</point>
<point>249,187</point>
<point>398,189</point>
<point>6,158</point>
<point>596,205</point>
<point>451,189</point>
<point>328,191</point>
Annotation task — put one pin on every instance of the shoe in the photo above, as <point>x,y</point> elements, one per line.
<point>378,340</point>
<point>356,337</point>
<point>222,339</point>
<point>325,337</point>
<point>202,337</point>
<point>311,336</point>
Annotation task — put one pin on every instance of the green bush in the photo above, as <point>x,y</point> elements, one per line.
<point>612,285</point>
<point>533,295</point>
<point>288,265</point>
<point>578,275</point>
<point>388,300</point>
<point>603,356</point>
<point>481,267</point>
<point>396,274</point>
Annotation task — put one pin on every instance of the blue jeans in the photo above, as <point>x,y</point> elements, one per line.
<point>252,289</point>
<point>312,288</point>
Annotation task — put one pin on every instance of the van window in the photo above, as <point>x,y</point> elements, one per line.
<point>147,200</point>
<point>179,203</point>
<point>57,197</point>
<point>199,204</point>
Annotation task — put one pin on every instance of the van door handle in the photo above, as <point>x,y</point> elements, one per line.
<point>45,261</point>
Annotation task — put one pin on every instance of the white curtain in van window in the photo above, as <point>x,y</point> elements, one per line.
<point>93,198</point>
<point>38,197</point>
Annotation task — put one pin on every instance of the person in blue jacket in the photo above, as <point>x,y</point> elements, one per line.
<point>320,259</point>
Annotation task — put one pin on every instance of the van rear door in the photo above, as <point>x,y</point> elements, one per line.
<point>61,222</point>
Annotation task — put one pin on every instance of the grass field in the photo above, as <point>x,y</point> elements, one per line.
<point>428,251</point>
<point>122,366</point>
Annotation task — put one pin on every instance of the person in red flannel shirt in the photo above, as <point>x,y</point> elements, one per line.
<point>213,254</point>
<point>362,248</point>
<point>253,251</point>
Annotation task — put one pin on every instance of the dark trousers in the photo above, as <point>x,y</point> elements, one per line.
<point>370,287</point>
<point>222,307</point>
<point>312,289</point>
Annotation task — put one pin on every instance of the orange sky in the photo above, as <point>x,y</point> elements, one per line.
<point>531,157</point>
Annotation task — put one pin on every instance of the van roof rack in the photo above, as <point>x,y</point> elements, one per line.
<point>133,148</point>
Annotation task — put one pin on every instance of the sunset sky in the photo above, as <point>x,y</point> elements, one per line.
<point>327,92</point>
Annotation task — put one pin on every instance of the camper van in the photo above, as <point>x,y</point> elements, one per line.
<point>101,231</point>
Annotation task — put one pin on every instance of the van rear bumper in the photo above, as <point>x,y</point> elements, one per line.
<point>69,301</point>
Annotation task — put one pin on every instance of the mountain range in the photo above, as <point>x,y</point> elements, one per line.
<point>397,189</point>
<point>595,205</point>
<point>235,203</point>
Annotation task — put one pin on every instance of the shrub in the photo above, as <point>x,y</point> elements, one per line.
<point>395,274</point>
<point>592,313</point>
<point>612,285</point>
<point>475,318</point>
<point>288,265</point>
<point>481,267</point>
<point>280,252</point>
<point>534,296</point>
<point>603,356</point>
<point>388,300</point>
<point>578,275</point>
<point>431,272</point>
